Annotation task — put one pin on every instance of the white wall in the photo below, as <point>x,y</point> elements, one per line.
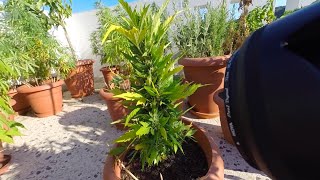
<point>294,4</point>
<point>81,25</point>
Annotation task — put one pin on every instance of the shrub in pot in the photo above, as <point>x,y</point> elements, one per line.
<point>110,52</point>
<point>51,62</point>
<point>155,130</point>
<point>201,38</point>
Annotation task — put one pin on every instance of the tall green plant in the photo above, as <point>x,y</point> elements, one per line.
<point>200,33</point>
<point>155,128</point>
<point>260,16</point>
<point>39,56</point>
<point>111,51</point>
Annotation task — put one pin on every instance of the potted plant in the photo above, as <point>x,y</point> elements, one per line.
<point>116,109</point>
<point>110,52</point>
<point>8,127</point>
<point>201,38</point>
<point>79,81</point>
<point>239,30</point>
<point>155,130</point>
<point>51,62</point>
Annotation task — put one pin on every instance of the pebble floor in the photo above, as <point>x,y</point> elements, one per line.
<point>73,145</point>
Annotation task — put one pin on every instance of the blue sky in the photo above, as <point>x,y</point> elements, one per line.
<point>86,5</point>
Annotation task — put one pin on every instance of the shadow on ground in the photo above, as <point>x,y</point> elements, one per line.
<point>72,145</point>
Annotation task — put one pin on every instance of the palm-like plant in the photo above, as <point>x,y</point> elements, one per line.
<point>155,128</point>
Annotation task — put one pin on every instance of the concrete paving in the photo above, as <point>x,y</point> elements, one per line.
<point>74,144</point>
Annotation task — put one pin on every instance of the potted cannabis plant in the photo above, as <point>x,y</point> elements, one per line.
<point>155,130</point>
<point>248,23</point>
<point>201,35</point>
<point>8,127</point>
<point>110,52</point>
<point>12,43</point>
<point>51,62</point>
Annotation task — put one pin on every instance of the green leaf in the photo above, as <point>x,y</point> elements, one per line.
<point>117,150</point>
<point>131,115</point>
<point>150,90</point>
<point>175,148</point>
<point>143,131</point>
<point>144,124</point>
<point>163,133</point>
<point>139,146</point>
<point>126,137</point>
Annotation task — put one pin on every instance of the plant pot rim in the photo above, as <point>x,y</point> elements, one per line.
<point>25,89</point>
<point>83,62</point>
<point>12,91</point>
<point>215,162</point>
<point>107,68</point>
<point>205,61</point>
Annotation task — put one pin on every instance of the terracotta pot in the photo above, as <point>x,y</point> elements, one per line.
<point>209,72</point>
<point>80,81</point>
<point>108,73</point>
<point>115,108</point>
<point>45,100</point>
<point>112,171</point>
<point>18,102</point>
<point>219,99</point>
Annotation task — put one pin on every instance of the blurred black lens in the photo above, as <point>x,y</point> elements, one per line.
<point>272,97</point>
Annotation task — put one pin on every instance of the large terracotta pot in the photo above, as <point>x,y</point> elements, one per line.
<point>219,99</point>
<point>206,71</point>
<point>215,162</point>
<point>80,81</point>
<point>18,102</point>
<point>115,108</point>
<point>45,100</point>
<point>108,73</point>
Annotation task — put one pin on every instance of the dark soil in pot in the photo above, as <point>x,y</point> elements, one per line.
<point>190,165</point>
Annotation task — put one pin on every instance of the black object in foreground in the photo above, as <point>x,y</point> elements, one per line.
<point>272,88</point>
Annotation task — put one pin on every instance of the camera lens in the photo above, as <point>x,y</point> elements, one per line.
<point>272,97</point>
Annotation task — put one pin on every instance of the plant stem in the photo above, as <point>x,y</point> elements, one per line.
<point>69,42</point>
<point>134,177</point>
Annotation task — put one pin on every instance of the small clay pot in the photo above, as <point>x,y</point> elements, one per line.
<point>115,108</point>
<point>219,99</point>
<point>80,81</point>
<point>207,71</point>
<point>45,100</point>
<point>112,170</point>
<point>108,73</point>
<point>18,102</point>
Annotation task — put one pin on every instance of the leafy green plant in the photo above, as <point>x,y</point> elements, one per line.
<point>8,129</point>
<point>111,51</point>
<point>155,128</point>
<point>260,16</point>
<point>201,34</point>
<point>39,56</point>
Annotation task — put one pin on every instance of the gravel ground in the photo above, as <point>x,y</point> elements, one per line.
<point>74,144</point>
